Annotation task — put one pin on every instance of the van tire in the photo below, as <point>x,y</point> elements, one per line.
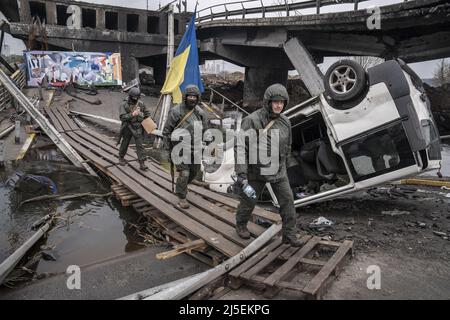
<point>345,80</point>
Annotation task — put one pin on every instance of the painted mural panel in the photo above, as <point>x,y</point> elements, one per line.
<point>82,68</point>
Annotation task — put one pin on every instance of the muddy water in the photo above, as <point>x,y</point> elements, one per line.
<point>98,227</point>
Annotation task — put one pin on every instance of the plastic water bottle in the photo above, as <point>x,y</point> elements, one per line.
<point>249,191</point>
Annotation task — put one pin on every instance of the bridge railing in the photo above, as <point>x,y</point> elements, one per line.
<point>224,11</point>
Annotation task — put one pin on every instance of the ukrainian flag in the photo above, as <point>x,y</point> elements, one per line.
<point>184,69</point>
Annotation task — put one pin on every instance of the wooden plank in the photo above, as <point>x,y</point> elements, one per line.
<point>313,262</point>
<point>264,262</point>
<point>206,258</point>
<point>292,262</point>
<point>54,120</point>
<point>290,286</point>
<point>314,285</point>
<point>109,141</point>
<point>101,144</point>
<point>182,248</point>
<point>271,216</point>
<point>258,256</point>
<point>212,209</point>
<point>70,122</point>
<point>195,213</point>
<point>26,146</point>
<point>129,197</point>
<point>94,149</point>
<point>61,120</point>
<point>212,238</point>
<point>86,153</point>
<point>211,195</point>
<point>330,243</point>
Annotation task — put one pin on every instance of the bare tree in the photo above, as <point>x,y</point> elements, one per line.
<point>368,61</point>
<point>442,73</point>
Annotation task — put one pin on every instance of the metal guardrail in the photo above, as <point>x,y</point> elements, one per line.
<point>224,11</point>
<point>213,92</point>
<point>20,80</point>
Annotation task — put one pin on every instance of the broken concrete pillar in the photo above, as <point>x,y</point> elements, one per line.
<point>50,11</point>
<point>256,82</point>
<point>163,24</point>
<point>305,65</point>
<point>122,26</point>
<point>130,67</point>
<point>142,23</point>
<point>100,17</point>
<point>24,11</point>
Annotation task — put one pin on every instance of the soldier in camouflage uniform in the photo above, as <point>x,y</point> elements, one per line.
<point>268,117</point>
<point>132,113</point>
<point>183,116</point>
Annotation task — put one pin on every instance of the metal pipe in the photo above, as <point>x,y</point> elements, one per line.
<point>187,287</point>
<point>8,265</point>
<point>223,97</point>
<point>167,99</point>
<point>96,117</point>
<point>5,132</point>
<point>146,293</point>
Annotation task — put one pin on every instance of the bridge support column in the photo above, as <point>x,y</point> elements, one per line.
<point>50,9</point>
<point>24,11</point>
<point>130,67</point>
<point>100,16</point>
<point>256,82</point>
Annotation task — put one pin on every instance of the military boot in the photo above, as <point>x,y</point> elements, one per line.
<point>292,240</point>
<point>242,231</point>
<point>142,165</point>
<point>122,161</point>
<point>183,204</point>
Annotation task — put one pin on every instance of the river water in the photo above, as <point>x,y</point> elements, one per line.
<point>98,227</point>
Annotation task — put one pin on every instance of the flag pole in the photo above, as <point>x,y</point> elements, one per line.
<point>167,98</point>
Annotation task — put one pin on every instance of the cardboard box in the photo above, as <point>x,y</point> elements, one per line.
<point>149,125</point>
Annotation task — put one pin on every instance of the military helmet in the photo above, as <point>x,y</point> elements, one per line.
<point>192,90</point>
<point>134,93</point>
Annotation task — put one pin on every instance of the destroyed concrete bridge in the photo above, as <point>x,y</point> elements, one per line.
<point>139,35</point>
<point>415,30</point>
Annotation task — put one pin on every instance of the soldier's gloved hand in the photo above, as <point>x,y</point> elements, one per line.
<point>242,179</point>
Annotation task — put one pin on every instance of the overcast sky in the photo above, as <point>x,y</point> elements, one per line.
<point>424,69</point>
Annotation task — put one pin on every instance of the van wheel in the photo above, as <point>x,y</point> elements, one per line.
<point>345,80</point>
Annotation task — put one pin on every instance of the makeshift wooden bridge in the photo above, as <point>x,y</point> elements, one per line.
<point>207,229</point>
<point>211,216</point>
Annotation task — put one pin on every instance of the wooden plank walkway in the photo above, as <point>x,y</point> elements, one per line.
<point>211,216</point>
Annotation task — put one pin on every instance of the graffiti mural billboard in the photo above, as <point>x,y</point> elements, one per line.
<point>82,68</point>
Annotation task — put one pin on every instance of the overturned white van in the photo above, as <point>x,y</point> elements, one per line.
<point>366,129</point>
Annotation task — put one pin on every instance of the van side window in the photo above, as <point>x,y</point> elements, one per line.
<point>379,153</point>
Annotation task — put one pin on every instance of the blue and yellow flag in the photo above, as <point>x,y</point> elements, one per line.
<point>184,69</point>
